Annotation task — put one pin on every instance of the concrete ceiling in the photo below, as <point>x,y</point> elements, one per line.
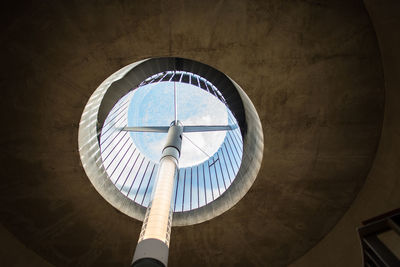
<point>312,69</point>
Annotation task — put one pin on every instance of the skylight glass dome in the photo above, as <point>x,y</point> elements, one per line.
<point>209,160</point>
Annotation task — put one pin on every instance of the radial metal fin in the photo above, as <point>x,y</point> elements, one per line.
<point>208,128</point>
<point>150,129</point>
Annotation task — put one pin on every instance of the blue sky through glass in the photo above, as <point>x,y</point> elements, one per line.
<point>153,105</point>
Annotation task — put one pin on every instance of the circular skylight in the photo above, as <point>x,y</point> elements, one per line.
<point>216,168</point>
<point>209,160</point>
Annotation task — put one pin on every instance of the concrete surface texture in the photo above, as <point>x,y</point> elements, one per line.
<point>380,192</point>
<point>313,70</point>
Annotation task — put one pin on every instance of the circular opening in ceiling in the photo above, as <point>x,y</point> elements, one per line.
<point>209,160</point>
<point>207,185</point>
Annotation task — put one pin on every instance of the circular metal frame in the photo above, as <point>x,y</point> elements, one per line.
<point>128,78</point>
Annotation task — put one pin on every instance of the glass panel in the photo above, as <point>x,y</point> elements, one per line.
<point>195,189</point>
<point>167,77</point>
<point>185,78</point>
<point>206,173</point>
<point>213,176</point>
<point>136,180</point>
<point>194,81</point>
<point>145,185</point>
<point>188,181</point>
<point>202,191</point>
<point>139,191</point>
<point>176,77</point>
<point>224,182</point>
<point>131,175</point>
<point>179,196</point>
<point>202,84</point>
<point>121,162</point>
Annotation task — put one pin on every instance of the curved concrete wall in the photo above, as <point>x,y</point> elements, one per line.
<point>380,193</point>
<point>311,68</point>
